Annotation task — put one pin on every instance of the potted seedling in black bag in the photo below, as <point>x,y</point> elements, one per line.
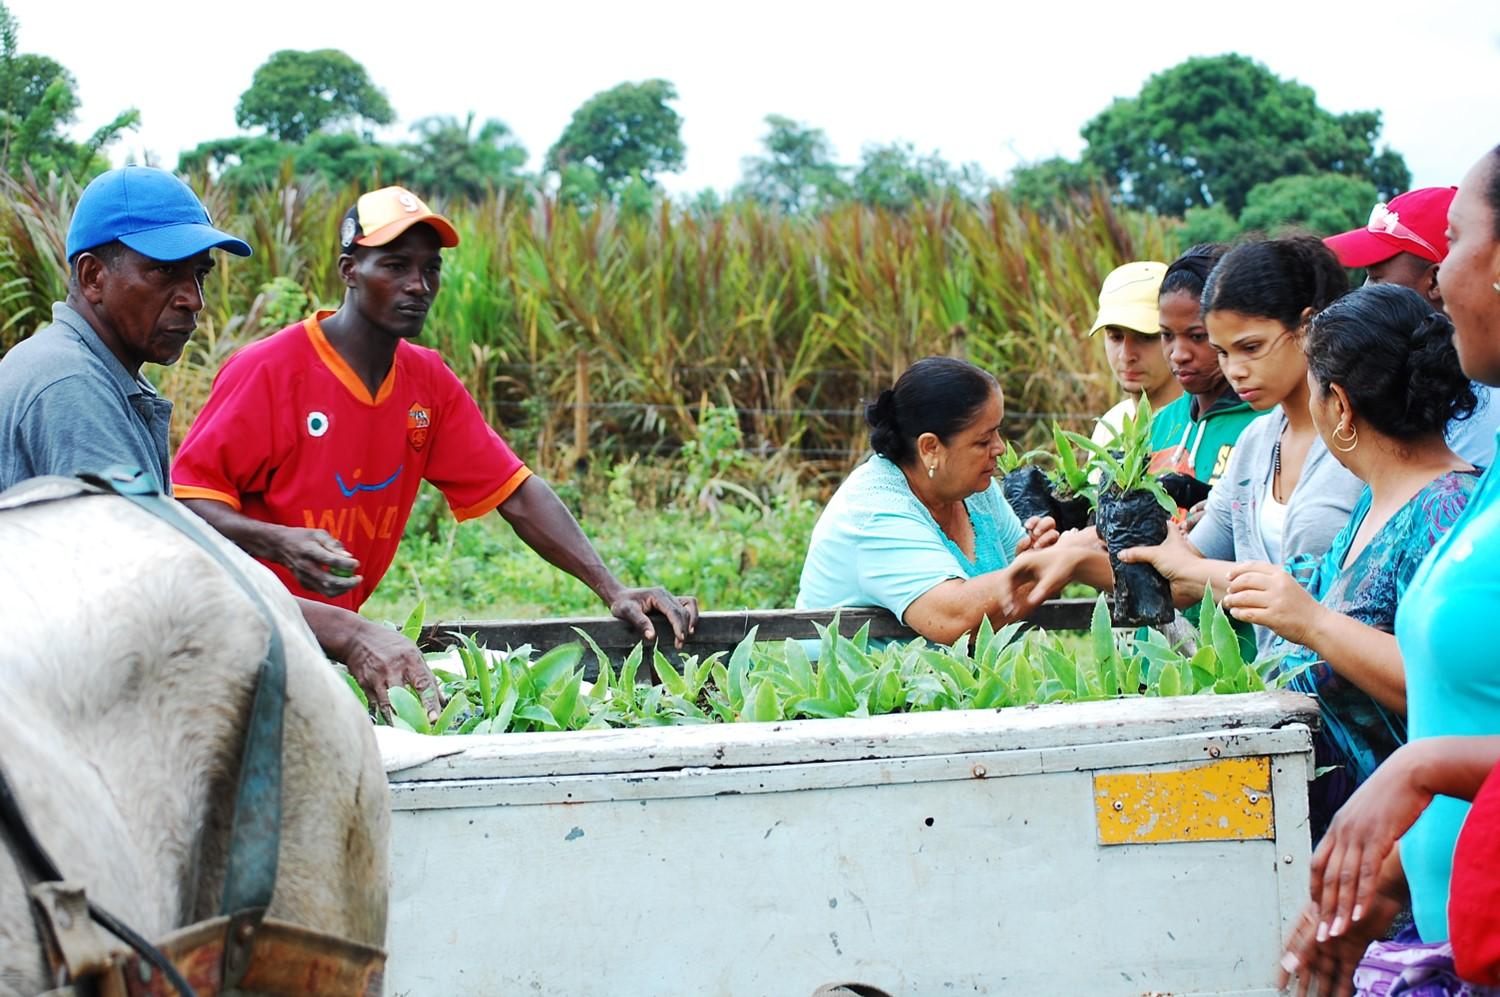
<point>1026,488</point>
<point>1072,491</point>
<point>1134,511</point>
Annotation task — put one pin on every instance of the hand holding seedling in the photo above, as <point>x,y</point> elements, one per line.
<point>1173,556</point>
<point>320,562</point>
<point>1268,596</point>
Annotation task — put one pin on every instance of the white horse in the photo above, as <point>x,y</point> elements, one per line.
<point>128,659</point>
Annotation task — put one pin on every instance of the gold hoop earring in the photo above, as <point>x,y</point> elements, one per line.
<point>1339,440</point>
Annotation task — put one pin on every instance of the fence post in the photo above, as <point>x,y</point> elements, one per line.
<point>958,346</point>
<point>581,413</point>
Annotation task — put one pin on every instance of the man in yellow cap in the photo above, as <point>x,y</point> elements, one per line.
<point>1132,342</point>
<point>313,442</point>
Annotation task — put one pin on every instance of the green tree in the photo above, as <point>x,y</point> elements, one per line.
<point>1323,204</point>
<point>1044,185</point>
<point>580,185</point>
<point>254,162</point>
<point>294,94</point>
<point>796,172</point>
<point>449,158</point>
<point>624,131</point>
<point>894,176</point>
<point>38,100</point>
<point>1210,129</point>
<point>1211,224</point>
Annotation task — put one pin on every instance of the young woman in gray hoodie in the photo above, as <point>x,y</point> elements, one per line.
<point>1283,497</point>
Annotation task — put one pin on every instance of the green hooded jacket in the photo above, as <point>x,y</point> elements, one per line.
<point>1198,443</point>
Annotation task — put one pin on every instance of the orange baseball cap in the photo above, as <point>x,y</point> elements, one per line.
<point>382,215</point>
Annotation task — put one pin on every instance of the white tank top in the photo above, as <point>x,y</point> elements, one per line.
<point>1272,522</point>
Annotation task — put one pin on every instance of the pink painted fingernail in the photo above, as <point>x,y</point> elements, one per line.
<point>1338,926</point>
<point>1289,963</point>
<point>1322,931</point>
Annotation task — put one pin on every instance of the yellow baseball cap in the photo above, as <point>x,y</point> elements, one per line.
<point>382,215</point>
<point>1128,298</point>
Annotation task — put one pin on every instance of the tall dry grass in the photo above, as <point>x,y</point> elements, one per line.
<point>793,321</point>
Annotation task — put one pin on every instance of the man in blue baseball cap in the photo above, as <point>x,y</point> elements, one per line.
<point>72,397</point>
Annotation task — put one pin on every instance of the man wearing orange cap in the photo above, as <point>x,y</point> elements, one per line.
<point>1405,243</point>
<point>313,442</point>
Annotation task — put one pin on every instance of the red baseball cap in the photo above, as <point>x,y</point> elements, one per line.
<point>1412,223</point>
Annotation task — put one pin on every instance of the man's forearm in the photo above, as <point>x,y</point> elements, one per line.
<point>333,626</point>
<point>545,525</point>
<point>250,535</point>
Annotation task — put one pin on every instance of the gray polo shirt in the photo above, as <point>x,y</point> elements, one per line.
<point>67,405</point>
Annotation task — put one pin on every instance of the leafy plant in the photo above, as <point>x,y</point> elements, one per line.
<point>507,690</point>
<point>1069,478</point>
<point>1125,461</point>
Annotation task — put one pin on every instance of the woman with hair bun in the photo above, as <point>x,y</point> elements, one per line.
<point>1385,382</point>
<point>921,528</point>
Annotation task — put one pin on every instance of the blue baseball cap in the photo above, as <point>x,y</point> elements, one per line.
<point>149,210</point>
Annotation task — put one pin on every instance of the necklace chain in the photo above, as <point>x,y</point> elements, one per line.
<point>1276,470</point>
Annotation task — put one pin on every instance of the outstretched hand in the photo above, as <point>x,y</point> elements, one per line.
<point>1034,576</point>
<point>319,562</point>
<point>1352,863</point>
<point>633,605</point>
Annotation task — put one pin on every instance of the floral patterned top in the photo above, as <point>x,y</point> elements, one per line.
<point>1358,732</point>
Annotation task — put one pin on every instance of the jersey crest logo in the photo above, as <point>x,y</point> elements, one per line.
<point>317,424</point>
<point>418,422</point>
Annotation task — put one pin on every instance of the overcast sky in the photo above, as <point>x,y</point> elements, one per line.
<point>993,83</point>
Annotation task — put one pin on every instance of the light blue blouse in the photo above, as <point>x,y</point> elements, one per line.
<point>877,545</point>
<point>1445,626</point>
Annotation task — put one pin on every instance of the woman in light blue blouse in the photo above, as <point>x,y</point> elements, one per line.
<point>921,528</point>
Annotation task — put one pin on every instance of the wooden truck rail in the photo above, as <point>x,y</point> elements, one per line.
<point>716,631</point>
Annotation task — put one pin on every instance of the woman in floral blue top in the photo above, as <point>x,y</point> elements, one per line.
<point>1385,381</point>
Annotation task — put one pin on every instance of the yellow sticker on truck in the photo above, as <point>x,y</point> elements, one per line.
<point>1224,800</point>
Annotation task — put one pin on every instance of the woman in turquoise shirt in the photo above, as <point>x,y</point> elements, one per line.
<point>921,528</point>
<point>1446,630</point>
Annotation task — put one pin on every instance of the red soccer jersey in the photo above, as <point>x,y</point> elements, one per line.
<point>291,435</point>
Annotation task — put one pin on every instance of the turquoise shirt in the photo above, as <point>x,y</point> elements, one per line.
<point>877,545</point>
<point>1445,629</point>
